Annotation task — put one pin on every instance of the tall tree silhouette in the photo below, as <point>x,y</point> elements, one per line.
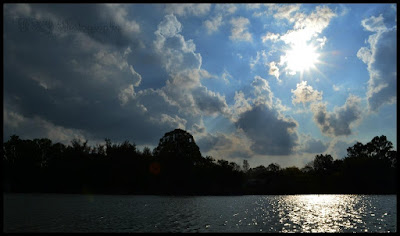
<point>323,163</point>
<point>372,166</point>
<point>177,153</point>
<point>245,166</point>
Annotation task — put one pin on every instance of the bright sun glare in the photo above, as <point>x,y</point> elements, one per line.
<point>301,57</point>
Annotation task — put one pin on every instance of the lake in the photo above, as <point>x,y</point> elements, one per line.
<point>269,213</point>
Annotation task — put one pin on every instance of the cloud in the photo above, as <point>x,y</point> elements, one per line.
<point>169,27</point>
<point>126,94</point>
<point>184,89</point>
<point>270,133</point>
<point>120,13</point>
<point>175,121</point>
<point>253,6</point>
<point>338,148</point>
<point>44,81</point>
<point>226,76</point>
<point>260,121</point>
<point>305,93</point>
<point>274,70</point>
<point>177,53</point>
<point>262,95</point>
<point>270,36</point>
<point>312,145</point>
<point>225,9</point>
<point>188,9</point>
<point>208,102</point>
<point>343,10</point>
<point>335,88</point>
<point>321,41</point>
<point>262,91</point>
<point>74,80</point>
<point>317,21</point>
<point>74,84</point>
<point>222,10</point>
<point>338,122</point>
<point>38,127</point>
<point>105,23</point>
<point>213,24</point>
<point>374,24</point>
<point>365,55</point>
<point>261,55</point>
<point>284,11</point>
<point>240,106</point>
<point>225,146</point>
<point>216,141</point>
<point>307,27</point>
<point>12,119</point>
<point>380,57</point>
<point>239,29</point>
<point>198,130</point>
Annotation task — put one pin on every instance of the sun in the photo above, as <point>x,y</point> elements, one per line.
<point>301,57</point>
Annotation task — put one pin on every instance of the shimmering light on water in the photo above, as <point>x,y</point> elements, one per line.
<point>277,213</point>
<point>321,213</point>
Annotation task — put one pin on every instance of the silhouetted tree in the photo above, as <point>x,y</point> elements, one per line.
<point>178,153</point>
<point>178,144</point>
<point>146,152</point>
<point>246,166</point>
<point>371,166</point>
<point>177,167</point>
<point>308,167</point>
<point>323,163</point>
<point>273,167</point>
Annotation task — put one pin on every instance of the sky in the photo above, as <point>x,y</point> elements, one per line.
<point>267,83</point>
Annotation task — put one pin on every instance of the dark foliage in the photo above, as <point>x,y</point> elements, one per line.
<point>177,167</point>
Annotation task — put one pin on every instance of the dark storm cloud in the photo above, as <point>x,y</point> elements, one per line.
<point>73,81</point>
<point>106,23</point>
<point>271,134</point>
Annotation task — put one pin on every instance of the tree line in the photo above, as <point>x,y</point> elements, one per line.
<point>177,167</point>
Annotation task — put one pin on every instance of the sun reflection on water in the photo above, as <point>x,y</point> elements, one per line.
<point>320,213</point>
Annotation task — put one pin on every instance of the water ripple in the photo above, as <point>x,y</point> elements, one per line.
<point>277,213</point>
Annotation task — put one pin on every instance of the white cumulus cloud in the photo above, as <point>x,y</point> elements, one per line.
<point>240,29</point>
<point>274,70</point>
<point>305,93</point>
<point>213,24</point>
<point>381,59</point>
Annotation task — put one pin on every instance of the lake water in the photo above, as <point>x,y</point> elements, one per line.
<point>276,213</point>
